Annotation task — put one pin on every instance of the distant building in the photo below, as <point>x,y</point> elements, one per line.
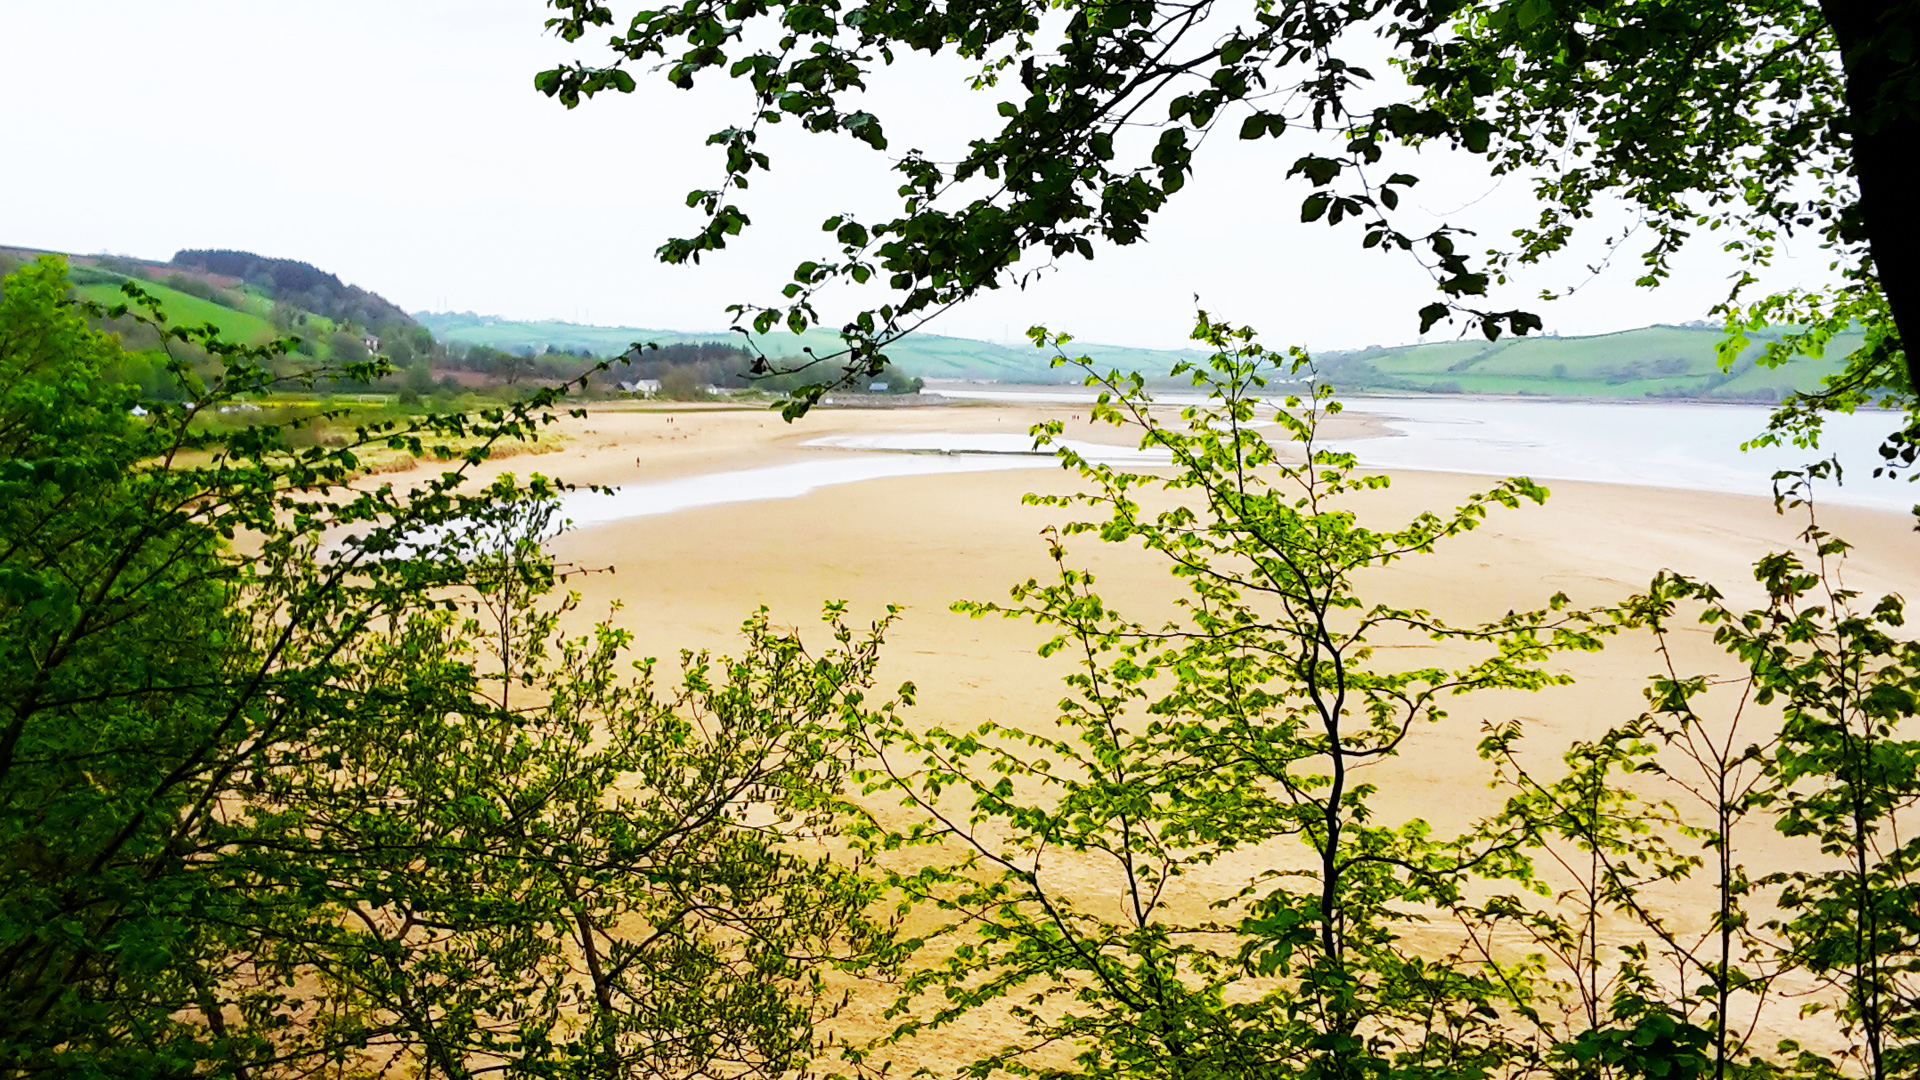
<point>641,386</point>
<point>877,388</point>
<point>371,342</point>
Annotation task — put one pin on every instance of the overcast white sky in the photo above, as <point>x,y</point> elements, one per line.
<point>400,145</point>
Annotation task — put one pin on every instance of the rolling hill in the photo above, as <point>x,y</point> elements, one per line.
<point>925,355</point>
<point>243,310</point>
<point>1651,362</point>
<point>238,292</point>
<point>239,325</point>
<point>300,284</point>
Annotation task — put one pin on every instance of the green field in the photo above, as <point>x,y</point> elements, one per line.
<point>183,310</point>
<point>1655,361</point>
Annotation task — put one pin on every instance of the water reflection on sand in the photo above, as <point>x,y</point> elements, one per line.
<point>584,508</point>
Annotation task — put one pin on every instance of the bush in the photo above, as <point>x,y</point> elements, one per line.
<point>686,383</point>
<point>115,264</point>
<point>347,348</point>
<point>93,275</point>
<point>419,378</point>
<point>271,807</point>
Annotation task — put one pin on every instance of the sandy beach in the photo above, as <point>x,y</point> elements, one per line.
<point>685,580</point>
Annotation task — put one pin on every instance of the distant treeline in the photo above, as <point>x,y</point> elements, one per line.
<point>683,370</point>
<point>731,367</point>
<point>700,364</point>
<point>300,284</point>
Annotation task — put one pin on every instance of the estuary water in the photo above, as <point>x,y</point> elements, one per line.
<point>1690,446</point>
<point>1686,445</point>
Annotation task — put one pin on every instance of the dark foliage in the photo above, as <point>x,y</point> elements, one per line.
<point>689,364</point>
<point>717,364</point>
<point>267,807</point>
<point>300,284</point>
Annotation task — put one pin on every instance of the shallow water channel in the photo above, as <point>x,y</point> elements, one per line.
<point>841,459</point>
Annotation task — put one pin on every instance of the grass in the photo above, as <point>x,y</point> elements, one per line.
<point>1423,359</point>
<point>368,410</point>
<point>184,310</point>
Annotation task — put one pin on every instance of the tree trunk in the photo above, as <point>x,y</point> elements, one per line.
<point>1885,122</point>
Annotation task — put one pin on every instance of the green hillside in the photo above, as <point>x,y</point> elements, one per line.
<point>184,310</point>
<point>1655,361</point>
<point>243,311</point>
<point>925,355</point>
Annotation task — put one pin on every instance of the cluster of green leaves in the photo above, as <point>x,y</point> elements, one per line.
<point>1812,739</point>
<point>1875,375</point>
<point>1842,771</point>
<point>527,853</point>
<point>300,774</point>
<point>1695,115</point>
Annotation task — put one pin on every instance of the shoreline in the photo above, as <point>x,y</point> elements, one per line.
<point>635,445</point>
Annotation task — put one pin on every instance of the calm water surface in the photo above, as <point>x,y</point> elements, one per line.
<point>1689,446</point>
<point>1686,445</point>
